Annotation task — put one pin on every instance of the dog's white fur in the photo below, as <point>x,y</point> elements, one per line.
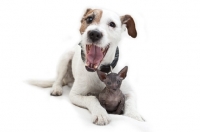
<point>85,82</point>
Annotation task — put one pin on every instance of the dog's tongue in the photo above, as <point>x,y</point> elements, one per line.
<point>95,55</point>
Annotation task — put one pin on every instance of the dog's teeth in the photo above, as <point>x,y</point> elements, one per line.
<point>95,66</point>
<point>86,64</point>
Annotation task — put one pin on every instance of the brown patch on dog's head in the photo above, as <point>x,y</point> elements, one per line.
<point>130,25</point>
<point>95,14</point>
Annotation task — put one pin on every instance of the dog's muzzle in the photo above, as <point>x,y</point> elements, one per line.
<point>94,56</point>
<point>92,67</point>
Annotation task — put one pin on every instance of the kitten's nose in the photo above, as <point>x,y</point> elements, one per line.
<point>114,88</point>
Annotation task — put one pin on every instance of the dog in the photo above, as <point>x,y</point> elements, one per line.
<point>100,31</point>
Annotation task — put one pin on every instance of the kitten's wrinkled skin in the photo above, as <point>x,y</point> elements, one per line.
<point>111,97</point>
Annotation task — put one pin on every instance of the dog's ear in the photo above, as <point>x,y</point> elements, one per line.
<point>123,72</point>
<point>130,25</point>
<point>102,75</point>
<point>87,10</point>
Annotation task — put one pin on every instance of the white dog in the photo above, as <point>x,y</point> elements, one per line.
<point>101,32</point>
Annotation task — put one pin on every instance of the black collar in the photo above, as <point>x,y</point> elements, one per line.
<point>104,68</point>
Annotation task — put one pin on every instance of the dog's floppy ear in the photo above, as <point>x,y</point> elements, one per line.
<point>123,72</point>
<point>102,75</point>
<point>87,10</point>
<point>130,25</point>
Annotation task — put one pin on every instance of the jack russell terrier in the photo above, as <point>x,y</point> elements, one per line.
<point>98,49</point>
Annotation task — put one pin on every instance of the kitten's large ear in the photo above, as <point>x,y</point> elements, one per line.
<point>130,25</point>
<point>102,75</point>
<point>123,72</point>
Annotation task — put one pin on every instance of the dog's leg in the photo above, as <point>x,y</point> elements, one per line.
<point>99,114</point>
<point>130,109</point>
<point>61,73</point>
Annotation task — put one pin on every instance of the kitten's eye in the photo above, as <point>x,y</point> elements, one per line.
<point>118,82</point>
<point>108,83</point>
<point>89,19</point>
<point>112,24</point>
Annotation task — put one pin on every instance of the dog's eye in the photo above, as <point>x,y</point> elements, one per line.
<point>108,83</point>
<point>89,19</point>
<point>112,24</point>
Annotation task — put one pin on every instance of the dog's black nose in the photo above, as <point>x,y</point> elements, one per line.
<point>94,35</point>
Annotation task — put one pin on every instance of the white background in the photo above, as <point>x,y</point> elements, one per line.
<point>164,64</point>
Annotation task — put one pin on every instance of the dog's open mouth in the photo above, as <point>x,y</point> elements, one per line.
<point>94,56</point>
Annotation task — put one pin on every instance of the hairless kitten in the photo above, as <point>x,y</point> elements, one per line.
<point>111,97</point>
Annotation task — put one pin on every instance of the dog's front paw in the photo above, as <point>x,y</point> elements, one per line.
<point>100,117</point>
<point>135,115</point>
<point>57,91</point>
